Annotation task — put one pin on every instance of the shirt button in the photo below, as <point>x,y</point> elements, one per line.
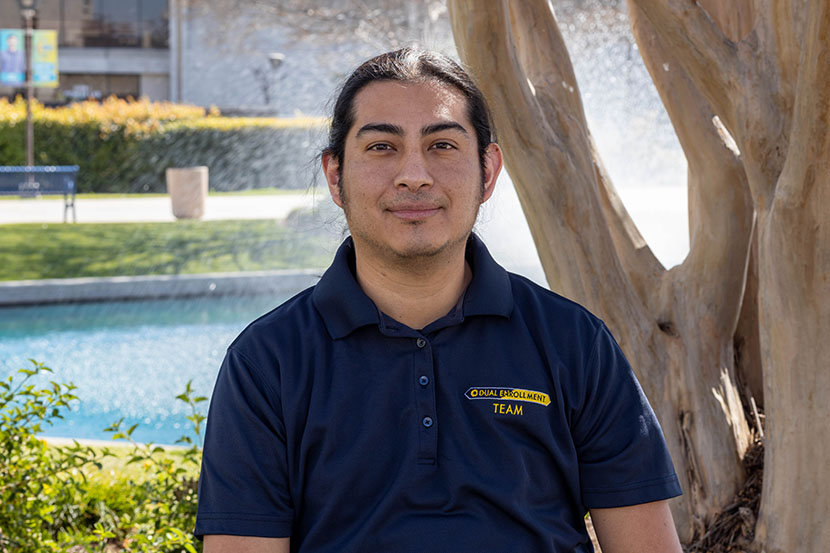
<point>420,342</point>
<point>427,421</point>
<point>424,380</point>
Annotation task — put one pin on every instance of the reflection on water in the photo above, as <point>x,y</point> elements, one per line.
<point>128,359</point>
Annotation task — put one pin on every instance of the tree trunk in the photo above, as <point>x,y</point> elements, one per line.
<point>675,326</point>
<point>794,278</point>
<point>763,67</point>
<point>773,88</point>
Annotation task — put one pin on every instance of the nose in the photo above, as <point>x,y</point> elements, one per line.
<point>413,172</point>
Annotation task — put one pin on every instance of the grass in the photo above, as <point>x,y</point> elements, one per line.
<point>109,196</point>
<point>115,466</point>
<point>38,251</point>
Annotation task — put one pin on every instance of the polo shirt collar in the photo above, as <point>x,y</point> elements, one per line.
<point>344,306</point>
<point>489,293</point>
<point>338,297</point>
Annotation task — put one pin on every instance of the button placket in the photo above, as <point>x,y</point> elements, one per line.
<point>425,401</point>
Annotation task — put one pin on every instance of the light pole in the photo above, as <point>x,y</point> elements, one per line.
<point>28,9</point>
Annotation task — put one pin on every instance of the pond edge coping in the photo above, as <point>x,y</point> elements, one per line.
<point>90,289</point>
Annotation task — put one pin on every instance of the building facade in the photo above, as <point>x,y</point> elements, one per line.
<point>247,58</point>
<point>105,47</point>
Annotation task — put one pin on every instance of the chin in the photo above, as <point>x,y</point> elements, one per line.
<point>420,253</point>
<point>417,250</point>
<point>411,250</point>
<point>409,246</point>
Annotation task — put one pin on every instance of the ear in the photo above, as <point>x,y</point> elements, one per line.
<point>331,168</point>
<point>492,167</point>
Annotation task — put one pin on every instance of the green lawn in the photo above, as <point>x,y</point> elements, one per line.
<point>37,251</point>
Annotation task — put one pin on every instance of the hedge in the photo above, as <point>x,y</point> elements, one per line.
<point>59,499</point>
<point>126,145</point>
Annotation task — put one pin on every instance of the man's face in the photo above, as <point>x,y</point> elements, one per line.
<point>411,182</point>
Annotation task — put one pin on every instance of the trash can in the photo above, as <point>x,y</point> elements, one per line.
<point>188,189</point>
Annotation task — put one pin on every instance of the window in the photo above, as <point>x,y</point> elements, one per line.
<point>113,23</point>
<point>98,23</point>
<point>153,21</point>
<point>99,86</point>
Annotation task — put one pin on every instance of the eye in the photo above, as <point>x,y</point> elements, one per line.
<point>442,145</point>
<point>379,147</point>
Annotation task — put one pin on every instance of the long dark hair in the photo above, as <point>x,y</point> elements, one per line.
<point>408,65</point>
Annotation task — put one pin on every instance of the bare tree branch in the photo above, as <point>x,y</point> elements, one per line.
<point>809,150</point>
<point>536,34</point>
<point>781,24</point>
<point>490,54</point>
<point>720,230</point>
<point>708,56</point>
<point>553,79</point>
<point>644,270</point>
<point>547,147</point>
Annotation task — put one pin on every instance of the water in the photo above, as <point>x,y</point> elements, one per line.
<point>128,359</point>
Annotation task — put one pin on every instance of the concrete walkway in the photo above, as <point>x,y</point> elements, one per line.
<point>154,209</point>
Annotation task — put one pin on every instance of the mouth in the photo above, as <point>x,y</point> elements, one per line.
<point>414,212</point>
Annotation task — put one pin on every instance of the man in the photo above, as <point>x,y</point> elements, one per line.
<point>419,397</point>
<point>12,61</point>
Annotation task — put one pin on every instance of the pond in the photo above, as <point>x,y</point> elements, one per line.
<point>128,359</point>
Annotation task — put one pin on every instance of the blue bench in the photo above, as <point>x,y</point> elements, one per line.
<point>37,180</point>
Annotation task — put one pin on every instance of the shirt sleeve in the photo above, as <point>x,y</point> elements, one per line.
<point>623,458</point>
<point>243,487</point>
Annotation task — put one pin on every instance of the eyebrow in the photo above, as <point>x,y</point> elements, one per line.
<point>444,126</point>
<point>389,128</point>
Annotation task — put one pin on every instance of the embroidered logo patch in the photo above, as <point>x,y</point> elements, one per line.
<point>508,394</point>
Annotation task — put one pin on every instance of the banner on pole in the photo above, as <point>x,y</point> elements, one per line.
<point>12,57</point>
<point>44,58</point>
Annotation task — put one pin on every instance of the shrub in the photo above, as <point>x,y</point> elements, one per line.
<point>34,481</point>
<point>125,145</point>
<point>57,499</point>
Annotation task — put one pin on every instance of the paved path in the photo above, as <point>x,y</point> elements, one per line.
<point>156,209</point>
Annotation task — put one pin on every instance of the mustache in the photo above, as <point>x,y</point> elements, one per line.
<point>416,201</point>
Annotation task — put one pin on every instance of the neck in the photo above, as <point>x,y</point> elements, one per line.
<point>417,291</point>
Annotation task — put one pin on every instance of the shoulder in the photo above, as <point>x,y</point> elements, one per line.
<point>287,324</point>
<point>569,337</point>
<point>551,313</point>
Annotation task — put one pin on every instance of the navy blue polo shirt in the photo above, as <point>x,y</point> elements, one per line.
<point>492,429</point>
